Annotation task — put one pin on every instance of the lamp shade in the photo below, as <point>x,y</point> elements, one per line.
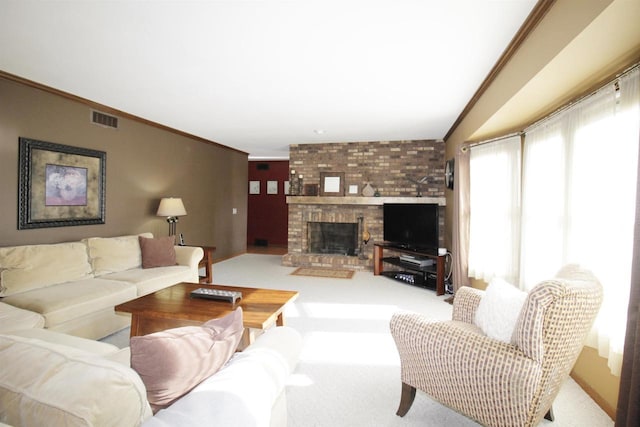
<point>171,206</point>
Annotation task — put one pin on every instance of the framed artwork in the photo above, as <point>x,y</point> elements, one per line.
<point>59,185</point>
<point>272,187</point>
<point>310,189</point>
<point>254,187</point>
<point>332,183</point>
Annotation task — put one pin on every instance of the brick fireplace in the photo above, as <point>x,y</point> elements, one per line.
<point>391,167</point>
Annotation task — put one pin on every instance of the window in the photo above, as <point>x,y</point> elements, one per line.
<point>579,172</point>
<point>494,224</point>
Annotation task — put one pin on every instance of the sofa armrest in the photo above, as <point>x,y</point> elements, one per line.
<point>465,303</point>
<point>36,390</point>
<point>189,256</point>
<point>14,318</point>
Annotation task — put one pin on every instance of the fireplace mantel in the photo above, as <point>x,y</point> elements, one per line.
<point>359,200</point>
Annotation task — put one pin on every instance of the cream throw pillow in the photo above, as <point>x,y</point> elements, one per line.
<point>499,309</point>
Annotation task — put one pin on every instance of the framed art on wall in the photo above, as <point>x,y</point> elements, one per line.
<point>332,183</point>
<point>59,185</point>
<point>254,187</point>
<point>272,187</point>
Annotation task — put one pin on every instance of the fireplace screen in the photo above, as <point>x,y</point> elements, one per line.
<point>332,238</point>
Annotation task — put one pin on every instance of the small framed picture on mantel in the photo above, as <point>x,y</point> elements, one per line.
<point>332,183</point>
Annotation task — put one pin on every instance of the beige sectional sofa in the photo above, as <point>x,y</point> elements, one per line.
<point>73,287</point>
<point>55,296</point>
<point>61,380</point>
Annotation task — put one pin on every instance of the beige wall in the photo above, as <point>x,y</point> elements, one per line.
<point>556,62</point>
<point>144,164</point>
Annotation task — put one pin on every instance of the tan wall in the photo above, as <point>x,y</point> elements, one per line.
<point>144,163</point>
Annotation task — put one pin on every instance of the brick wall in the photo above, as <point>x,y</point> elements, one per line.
<point>387,165</point>
<point>384,164</point>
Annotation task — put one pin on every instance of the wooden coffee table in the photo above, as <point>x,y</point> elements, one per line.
<point>173,307</point>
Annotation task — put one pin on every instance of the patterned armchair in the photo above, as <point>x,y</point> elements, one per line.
<point>493,382</point>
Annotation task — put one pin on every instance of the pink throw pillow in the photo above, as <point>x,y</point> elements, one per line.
<point>158,252</point>
<point>173,362</point>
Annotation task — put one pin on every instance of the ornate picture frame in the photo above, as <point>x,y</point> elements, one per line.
<point>332,183</point>
<point>59,185</point>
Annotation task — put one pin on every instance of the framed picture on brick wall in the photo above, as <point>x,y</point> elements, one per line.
<point>332,183</point>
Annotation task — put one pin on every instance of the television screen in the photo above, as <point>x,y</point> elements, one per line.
<point>414,226</point>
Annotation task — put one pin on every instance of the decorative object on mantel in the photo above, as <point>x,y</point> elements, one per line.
<point>332,183</point>
<point>310,190</point>
<point>368,191</point>
<point>419,183</point>
<point>294,188</point>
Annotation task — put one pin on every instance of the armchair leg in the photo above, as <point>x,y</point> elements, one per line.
<point>549,415</point>
<point>406,399</point>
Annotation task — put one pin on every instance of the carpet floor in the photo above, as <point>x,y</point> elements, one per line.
<point>349,370</point>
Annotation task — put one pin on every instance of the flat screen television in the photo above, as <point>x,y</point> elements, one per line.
<point>411,226</point>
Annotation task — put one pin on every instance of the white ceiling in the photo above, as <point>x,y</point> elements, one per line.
<point>261,75</point>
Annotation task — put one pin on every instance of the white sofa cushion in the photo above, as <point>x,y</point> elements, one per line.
<point>51,384</point>
<point>73,299</point>
<point>23,268</point>
<point>113,254</point>
<point>153,279</point>
<point>14,318</point>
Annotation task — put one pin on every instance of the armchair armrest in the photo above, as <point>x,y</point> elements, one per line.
<point>189,256</point>
<point>465,303</point>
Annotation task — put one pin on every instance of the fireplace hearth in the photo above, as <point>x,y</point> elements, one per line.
<point>337,238</point>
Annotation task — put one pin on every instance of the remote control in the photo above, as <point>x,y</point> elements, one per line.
<point>217,294</point>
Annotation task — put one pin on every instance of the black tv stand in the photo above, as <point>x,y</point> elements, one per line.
<point>429,276</point>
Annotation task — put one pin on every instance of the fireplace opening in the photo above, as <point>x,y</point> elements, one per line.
<point>338,238</point>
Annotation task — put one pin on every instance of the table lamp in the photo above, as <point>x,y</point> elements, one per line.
<point>172,208</point>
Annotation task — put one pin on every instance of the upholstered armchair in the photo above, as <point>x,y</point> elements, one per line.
<point>493,382</point>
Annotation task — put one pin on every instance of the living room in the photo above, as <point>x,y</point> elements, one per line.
<point>147,160</point>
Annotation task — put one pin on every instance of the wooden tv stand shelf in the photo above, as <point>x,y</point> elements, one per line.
<point>424,272</point>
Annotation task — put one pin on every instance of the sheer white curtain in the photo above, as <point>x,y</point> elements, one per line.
<point>579,191</point>
<point>494,197</point>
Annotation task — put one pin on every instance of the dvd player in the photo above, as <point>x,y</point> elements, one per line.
<point>417,261</point>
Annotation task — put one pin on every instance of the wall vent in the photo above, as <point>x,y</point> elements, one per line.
<point>103,119</point>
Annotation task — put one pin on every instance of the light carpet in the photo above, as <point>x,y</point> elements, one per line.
<point>349,370</point>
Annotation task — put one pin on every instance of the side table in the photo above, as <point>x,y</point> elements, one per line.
<point>206,262</point>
